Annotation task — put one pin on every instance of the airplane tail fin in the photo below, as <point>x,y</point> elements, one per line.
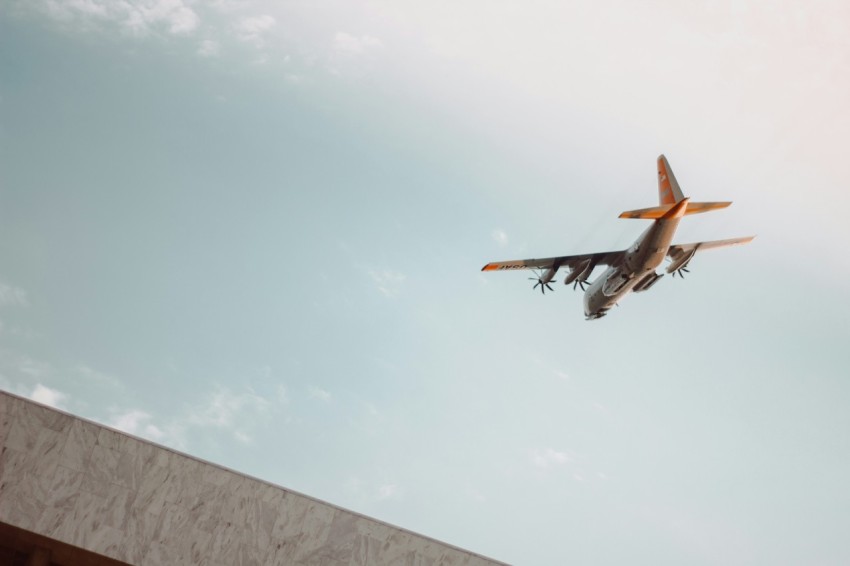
<point>669,195</point>
<point>668,188</point>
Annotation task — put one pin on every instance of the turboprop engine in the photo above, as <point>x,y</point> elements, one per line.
<point>578,276</point>
<point>680,265</point>
<point>544,280</point>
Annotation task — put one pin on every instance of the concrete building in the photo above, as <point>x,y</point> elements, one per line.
<point>76,493</point>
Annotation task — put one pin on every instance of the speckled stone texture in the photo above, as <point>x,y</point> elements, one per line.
<point>104,491</point>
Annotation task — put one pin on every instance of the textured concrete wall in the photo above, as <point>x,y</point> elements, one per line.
<point>92,487</point>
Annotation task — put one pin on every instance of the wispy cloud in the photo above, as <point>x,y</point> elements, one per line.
<point>347,44</point>
<point>12,296</point>
<point>138,17</point>
<point>319,393</point>
<point>208,48</point>
<point>236,414</point>
<point>601,409</point>
<point>174,14</point>
<point>352,55</point>
<point>46,395</point>
<point>282,394</point>
<point>546,458</point>
<point>136,422</point>
<point>388,491</point>
<point>224,409</point>
<point>388,281</point>
<point>254,29</point>
<point>556,371</point>
<point>88,8</point>
<point>500,237</point>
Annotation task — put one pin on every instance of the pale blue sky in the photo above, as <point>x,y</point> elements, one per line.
<point>253,230</point>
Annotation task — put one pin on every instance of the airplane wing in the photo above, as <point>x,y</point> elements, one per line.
<point>681,254</point>
<point>570,261</point>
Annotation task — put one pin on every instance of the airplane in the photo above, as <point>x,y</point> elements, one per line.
<point>632,269</point>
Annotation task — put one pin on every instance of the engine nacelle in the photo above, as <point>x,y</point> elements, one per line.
<point>682,262</point>
<point>549,275</point>
<point>581,272</point>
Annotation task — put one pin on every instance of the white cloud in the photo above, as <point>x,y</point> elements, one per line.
<point>12,296</point>
<point>253,30</point>
<point>388,281</point>
<point>181,19</point>
<point>136,422</point>
<point>47,396</point>
<point>319,393</point>
<point>174,14</point>
<point>282,395</point>
<point>243,437</point>
<point>70,8</point>
<point>549,457</point>
<point>235,413</point>
<point>139,17</point>
<point>208,48</point>
<point>224,409</point>
<point>347,44</point>
<point>388,491</point>
<point>261,59</point>
<point>500,237</point>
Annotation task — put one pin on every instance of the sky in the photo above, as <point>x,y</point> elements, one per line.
<point>253,231</point>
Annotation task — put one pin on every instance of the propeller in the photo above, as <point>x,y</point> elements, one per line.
<point>680,270</point>
<point>580,283</point>
<point>543,286</point>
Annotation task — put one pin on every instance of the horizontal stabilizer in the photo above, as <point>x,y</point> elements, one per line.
<point>655,212</point>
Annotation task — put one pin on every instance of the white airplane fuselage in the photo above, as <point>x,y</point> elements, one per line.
<point>637,267</point>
